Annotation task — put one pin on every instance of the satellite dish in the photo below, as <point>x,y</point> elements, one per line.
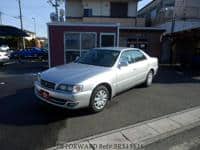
<point>62,14</point>
<point>53,17</point>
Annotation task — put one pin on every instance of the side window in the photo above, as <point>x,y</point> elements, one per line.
<point>138,56</point>
<point>127,56</point>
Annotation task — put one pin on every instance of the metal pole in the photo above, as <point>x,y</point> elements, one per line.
<point>56,7</point>
<point>118,32</point>
<point>34,21</point>
<point>21,22</point>
<point>172,31</point>
<point>173,20</point>
<point>0,17</point>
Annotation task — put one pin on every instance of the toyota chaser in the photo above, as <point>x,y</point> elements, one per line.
<point>93,79</point>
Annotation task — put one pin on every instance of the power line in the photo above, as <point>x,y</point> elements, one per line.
<point>8,15</point>
<point>17,17</point>
<point>26,21</point>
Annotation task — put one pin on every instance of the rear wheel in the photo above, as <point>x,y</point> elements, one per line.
<point>99,98</point>
<point>149,79</point>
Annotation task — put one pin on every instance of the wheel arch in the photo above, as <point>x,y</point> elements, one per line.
<point>107,85</point>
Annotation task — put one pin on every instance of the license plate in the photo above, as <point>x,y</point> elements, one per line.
<point>44,94</point>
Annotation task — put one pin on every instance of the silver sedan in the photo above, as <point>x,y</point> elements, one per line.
<point>93,79</point>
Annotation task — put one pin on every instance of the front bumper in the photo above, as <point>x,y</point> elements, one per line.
<point>63,99</point>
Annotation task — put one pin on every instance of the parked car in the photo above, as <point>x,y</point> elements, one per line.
<point>4,57</point>
<point>93,79</point>
<point>4,48</point>
<point>30,53</point>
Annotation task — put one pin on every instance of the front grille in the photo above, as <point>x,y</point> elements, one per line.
<point>47,84</point>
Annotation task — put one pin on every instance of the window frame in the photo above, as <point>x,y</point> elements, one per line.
<point>80,43</point>
<point>125,52</point>
<point>119,3</point>
<point>95,45</point>
<point>65,40</point>
<point>144,57</point>
<point>135,61</point>
<point>110,33</point>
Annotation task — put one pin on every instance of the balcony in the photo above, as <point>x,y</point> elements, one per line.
<point>124,22</point>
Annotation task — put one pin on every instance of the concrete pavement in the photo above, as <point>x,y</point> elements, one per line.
<point>187,140</point>
<point>139,135</point>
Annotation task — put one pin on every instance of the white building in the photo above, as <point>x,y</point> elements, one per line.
<point>103,11</point>
<point>31,35</point>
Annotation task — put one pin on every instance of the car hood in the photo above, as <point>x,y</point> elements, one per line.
<point>72,73</point>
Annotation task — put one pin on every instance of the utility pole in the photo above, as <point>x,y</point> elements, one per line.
<point>55,5</point>
<point>173,22</point>
<point>34,21</point>
<point>21,22</point>
<point>1,17</point>
<point>174,17</point>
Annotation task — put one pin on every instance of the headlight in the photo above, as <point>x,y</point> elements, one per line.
<point>70,88</point>
<point>39,77</point>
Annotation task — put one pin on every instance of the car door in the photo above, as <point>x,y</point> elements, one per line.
<point>125,72</point>
<point>140,66</point>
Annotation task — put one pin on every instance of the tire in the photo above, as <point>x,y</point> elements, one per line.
<point>101,93</point>
<point>149,79</point>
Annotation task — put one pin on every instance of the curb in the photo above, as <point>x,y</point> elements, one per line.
<point>141,134</point>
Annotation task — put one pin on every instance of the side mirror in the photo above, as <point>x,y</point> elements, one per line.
<point>123,64</point>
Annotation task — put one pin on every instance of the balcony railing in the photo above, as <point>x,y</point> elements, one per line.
<point>126,22</point>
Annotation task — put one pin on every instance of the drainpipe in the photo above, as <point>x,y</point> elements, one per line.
<point>172,31</point>
<point>118,25</point>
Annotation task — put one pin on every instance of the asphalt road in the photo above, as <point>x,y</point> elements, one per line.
<point>187,140</point>
<point>25,125</point>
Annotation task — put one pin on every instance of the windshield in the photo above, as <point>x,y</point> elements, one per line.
<point>99,57</point>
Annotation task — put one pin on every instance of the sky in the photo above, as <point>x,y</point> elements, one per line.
<point>38,9</point>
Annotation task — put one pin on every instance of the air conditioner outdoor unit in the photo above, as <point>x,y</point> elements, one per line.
<point>87,12</point>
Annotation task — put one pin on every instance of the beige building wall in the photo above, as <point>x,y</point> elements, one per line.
<point>132,8</point>
<point>99,7</point>
<point>74,8</point>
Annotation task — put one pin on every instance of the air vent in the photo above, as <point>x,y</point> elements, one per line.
<point>87,12</point>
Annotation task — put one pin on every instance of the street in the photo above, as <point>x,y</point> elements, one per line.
<point>26,125</point>
<point>92,50</point>
<point>188,140</point>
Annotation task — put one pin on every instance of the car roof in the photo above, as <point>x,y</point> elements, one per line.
<point>116,48</point>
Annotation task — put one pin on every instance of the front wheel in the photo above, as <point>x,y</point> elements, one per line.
<point>99,98</point>
<point>149,79</point>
